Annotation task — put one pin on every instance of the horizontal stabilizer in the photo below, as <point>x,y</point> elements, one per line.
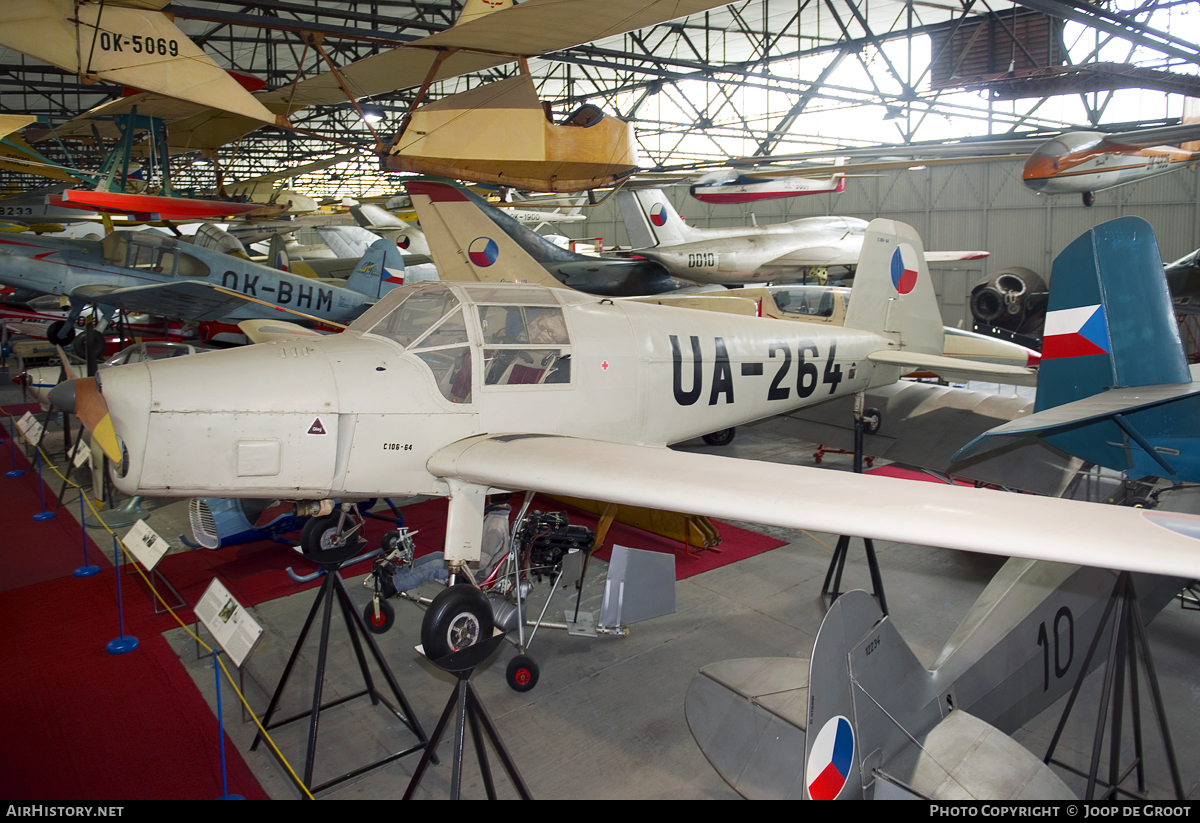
<point>749,717</point>
<point>940,363</point>
<point>1098,407</point>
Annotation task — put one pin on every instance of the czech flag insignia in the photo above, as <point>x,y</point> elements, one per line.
<point>658,214</point>
<point>830,760</point>
<point>483,251</point>
<point>1075,332</point>
<point>904,268</point>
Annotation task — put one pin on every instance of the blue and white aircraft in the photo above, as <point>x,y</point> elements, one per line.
<point>169,277</point>
<point>1114,387</point>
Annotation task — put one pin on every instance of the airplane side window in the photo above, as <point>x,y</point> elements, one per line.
<point>415,316</point>
<point>546,326</point>
<point>451,331</point>
<point>192,267</point>
<point>452,370</point>
<point>518,366</point>
<point>506,325</point>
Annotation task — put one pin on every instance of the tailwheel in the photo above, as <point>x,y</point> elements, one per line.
<point>721,437</point>
<point>457,618</point>
<point>522,673</point>
<point>378,620</point>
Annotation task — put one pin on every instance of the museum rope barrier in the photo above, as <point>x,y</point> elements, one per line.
<point>132,561</point>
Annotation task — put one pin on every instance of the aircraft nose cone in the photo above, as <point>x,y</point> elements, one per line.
<point>62,396</point>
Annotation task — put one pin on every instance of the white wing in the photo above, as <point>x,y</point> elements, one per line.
<point>837,502</point>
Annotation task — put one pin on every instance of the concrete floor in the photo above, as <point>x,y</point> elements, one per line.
<point>606,719</point>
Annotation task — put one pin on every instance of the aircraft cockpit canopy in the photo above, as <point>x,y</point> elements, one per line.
<point>812,301</point>
<point>152,252</point>
<point>525,341</point>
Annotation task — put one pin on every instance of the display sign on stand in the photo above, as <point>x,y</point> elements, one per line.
<point>230,625</point>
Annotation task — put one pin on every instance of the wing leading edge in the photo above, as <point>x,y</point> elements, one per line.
<point>800,497</point>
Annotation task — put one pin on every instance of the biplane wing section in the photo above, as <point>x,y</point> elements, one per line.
<point>128,44</point>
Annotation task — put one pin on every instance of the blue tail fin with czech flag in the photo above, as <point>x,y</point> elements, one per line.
<point>1109,321</point>
<point>1113,386</point>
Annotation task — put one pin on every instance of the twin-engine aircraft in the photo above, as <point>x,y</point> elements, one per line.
<point>458,388</point>
<point>751,254</point>
<point>166,276</point>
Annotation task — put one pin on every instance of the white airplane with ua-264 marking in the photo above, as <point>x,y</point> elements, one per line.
<point>455,389</point>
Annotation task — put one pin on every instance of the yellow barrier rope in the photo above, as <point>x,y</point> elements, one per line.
<point>137,567</point>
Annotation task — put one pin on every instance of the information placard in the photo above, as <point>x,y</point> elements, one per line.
<point>30,427</point>
<point>145,544</point>
<point>230,625</point>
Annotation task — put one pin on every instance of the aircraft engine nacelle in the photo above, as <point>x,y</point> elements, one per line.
<point>238,426</point>
<point>1012,299</point>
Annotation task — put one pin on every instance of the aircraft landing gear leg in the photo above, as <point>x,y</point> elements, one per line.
<point>869,419</point>
<point>1127,638</point>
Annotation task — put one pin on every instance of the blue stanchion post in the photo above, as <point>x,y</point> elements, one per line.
<point>87,569</point>
<point>43,514</point>
<point>12,446</point>
<point>123,642</point>
<point>225,795</point>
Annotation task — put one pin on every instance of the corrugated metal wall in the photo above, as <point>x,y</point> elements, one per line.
<point>968,206</point>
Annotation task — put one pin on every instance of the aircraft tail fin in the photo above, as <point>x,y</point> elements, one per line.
<point>651,220</point>
<point>379,271</point>
<point>479,8</point>
<point>468,244</point>
<point>1109,319</point>
<point>893,294</point>
<point>277,256</point>
<point>1114,386</point>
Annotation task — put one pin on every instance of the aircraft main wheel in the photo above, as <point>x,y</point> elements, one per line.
<point>379,623</point>
<point>1089,198</point>
<point>60,333</point>
<point>457,618</point>
<point>722,437</point>
<point>318,541</point>
<point>872,420</point>
<point>522,673</point>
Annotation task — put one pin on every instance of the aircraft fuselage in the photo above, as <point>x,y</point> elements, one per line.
<point>88,271</point>
<point>361,413</point>
<point>1080,162</point>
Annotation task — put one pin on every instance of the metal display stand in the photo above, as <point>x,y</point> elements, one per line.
<point>838,562</point>
<point>468,708</point>
<point>333,587</point>
<point>1128,636</point>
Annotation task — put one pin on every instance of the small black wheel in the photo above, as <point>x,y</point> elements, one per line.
<point>60,333</point>
<point>379,623</point>
<point>1089,198</point>
<point>721,437</point>
<point>318,540</point>
<point>872,420</point>
<point>522,673</point>
<point>457,618</point>
<point>89,339</point>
